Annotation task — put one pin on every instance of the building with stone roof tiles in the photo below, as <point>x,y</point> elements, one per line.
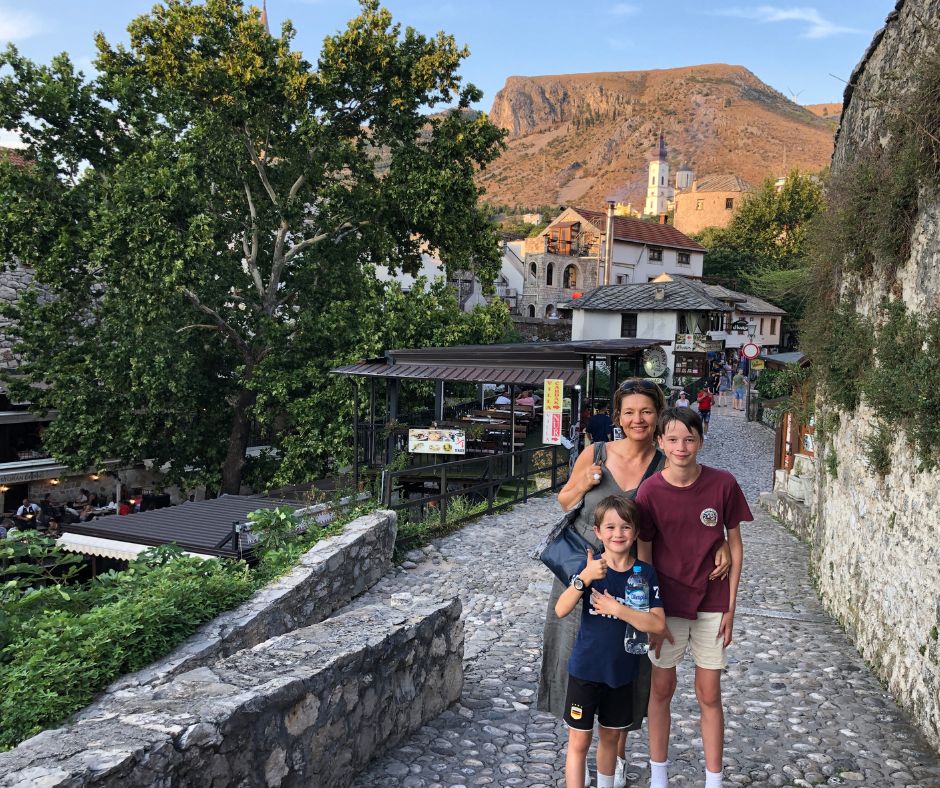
<point>710,202</point>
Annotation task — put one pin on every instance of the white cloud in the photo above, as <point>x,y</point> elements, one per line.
<point>624,9</point>
<point>816,25</point>
<point>17,25</point>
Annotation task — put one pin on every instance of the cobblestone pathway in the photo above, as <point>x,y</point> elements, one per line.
<point>801,707</point>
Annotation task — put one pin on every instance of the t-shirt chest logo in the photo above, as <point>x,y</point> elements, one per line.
<point>709,517</point>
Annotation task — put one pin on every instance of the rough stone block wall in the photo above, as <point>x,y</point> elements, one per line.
<point>308,708</point>
<point>329,575</point>
<point>12,282</point>
<point>876,542</point>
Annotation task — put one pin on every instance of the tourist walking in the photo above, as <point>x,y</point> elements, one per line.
<point>739,384</point>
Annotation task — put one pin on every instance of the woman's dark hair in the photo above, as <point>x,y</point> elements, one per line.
<point>620,504</point>
<point>685,416</point>
<point>639,386</point>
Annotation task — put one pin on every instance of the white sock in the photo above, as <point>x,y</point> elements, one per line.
<point>713,779</point>
<point>659,778</point>
<point>605,780</point>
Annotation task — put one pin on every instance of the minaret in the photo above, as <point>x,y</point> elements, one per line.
<point>657,188</point>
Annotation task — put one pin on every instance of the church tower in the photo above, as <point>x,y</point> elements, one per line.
<point>658,190</point>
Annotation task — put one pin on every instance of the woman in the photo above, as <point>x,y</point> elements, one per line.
<point>724,386</point>
<point>625,463</point>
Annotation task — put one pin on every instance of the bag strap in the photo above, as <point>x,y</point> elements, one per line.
<point>653,466</point>
<point>600,452</point>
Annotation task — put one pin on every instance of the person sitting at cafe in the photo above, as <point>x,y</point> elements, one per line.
<point>502,399</point>
<point>87,514</point>
<point>526,398</point>
<point>125,507</point>
<point>54,531</point>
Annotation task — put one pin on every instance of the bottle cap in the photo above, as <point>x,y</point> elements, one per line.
<point>637,569</point>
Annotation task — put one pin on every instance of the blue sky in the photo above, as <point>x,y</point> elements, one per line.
<point>804,51</point>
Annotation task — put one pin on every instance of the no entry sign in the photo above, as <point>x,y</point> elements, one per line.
<point>750,350</point>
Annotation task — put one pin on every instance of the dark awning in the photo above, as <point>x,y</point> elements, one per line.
<point>196,526</point>
<point>523,363</point>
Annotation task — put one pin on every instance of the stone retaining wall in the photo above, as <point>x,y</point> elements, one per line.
<point>329,575</point>
<point>308,708</point>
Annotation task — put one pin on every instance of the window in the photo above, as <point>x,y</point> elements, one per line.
<point>699,205</point>
<point>773,326</point>
<point>662,180</point>
<point>683,324</point>
<point>550,311</point>
<point>621,279</point>
<point>715,321</point>
<point>549,271</point>
<point>652,180</point>
<point>685,258</point>
<point>762,326</point>
<point>531,310</point>
<point>533,273</point>
<point>628,324</point>
<point>729,203</point>
<point>655,254</point>
<point>570,278</point>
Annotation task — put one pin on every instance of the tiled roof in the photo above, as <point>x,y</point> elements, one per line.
<point>744,302</point>
<point>637,231</point>
<point>721,183</point>
<point>13,155</point>
<point>680,294</point>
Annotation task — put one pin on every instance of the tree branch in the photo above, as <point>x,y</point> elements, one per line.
<point>259,166</point>
<point>198,325</point>
<point>252,257</point>
<point>223,324</point>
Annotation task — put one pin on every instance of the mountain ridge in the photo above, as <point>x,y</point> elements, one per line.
<point>587,137</point>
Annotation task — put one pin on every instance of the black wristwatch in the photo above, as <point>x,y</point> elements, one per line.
<point>577,582</point>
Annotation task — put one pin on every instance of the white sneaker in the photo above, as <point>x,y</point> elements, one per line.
<point>620,773</point>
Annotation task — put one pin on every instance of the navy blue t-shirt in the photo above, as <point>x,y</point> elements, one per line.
<point>598,653</point>
<point>600,427</point>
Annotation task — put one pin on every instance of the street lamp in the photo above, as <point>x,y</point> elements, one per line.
<point>751,333</point>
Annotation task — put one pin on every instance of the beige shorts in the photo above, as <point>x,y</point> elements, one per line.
<point>701,634</point>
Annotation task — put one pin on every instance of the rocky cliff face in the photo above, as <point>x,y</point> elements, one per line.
<point>584,137</point>
<point>877,539</point>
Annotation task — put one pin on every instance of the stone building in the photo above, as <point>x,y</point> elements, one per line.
<point>709,202</point>
<point>568,257</point>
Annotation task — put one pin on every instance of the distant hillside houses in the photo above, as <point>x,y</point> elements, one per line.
<point>709,202</point>
<point>699,323</point>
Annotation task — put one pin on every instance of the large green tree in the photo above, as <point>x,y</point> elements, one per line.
<point>763,250</point>
<point>204,217</point>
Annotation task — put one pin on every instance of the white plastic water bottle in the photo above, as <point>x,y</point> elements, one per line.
<point>638,598</point>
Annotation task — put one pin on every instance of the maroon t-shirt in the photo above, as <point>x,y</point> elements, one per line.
<point>685,526</point>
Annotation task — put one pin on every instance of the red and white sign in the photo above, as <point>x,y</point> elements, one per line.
<point>552,403</point>
<point>750,350</point>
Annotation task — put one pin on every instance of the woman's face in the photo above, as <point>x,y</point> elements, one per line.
<point>638,417</point>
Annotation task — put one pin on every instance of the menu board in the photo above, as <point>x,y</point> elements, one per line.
<point>435,441</point>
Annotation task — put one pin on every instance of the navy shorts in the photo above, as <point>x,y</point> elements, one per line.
<point>706,415</point>
<point>613,706</point>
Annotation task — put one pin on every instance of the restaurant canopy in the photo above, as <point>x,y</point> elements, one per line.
<point>526,364</point>
<point>196,526</point>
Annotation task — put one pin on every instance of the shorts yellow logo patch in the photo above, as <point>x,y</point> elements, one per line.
<point>576,712</point>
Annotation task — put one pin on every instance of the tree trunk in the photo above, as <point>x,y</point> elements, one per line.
<point>237,443</point>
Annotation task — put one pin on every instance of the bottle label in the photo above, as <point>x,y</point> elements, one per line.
<point>638,599</point>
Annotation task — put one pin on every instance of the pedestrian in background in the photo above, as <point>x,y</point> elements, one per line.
<point>739,384</point>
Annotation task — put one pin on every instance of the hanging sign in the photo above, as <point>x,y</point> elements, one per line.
<point>552,404</point>
<point>435,441</point>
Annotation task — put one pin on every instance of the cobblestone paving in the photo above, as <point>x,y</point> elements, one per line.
<point>801,707</point>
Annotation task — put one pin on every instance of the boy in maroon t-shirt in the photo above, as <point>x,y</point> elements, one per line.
<point>685,511</point>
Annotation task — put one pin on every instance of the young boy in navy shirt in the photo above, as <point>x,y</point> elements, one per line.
<point>600,671</point>
<point>686,511</point>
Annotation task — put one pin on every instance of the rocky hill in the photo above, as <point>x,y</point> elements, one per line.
<point>584,137</point>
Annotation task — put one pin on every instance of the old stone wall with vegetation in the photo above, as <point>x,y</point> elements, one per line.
<point>873,334</point>
<point>310,707</point>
